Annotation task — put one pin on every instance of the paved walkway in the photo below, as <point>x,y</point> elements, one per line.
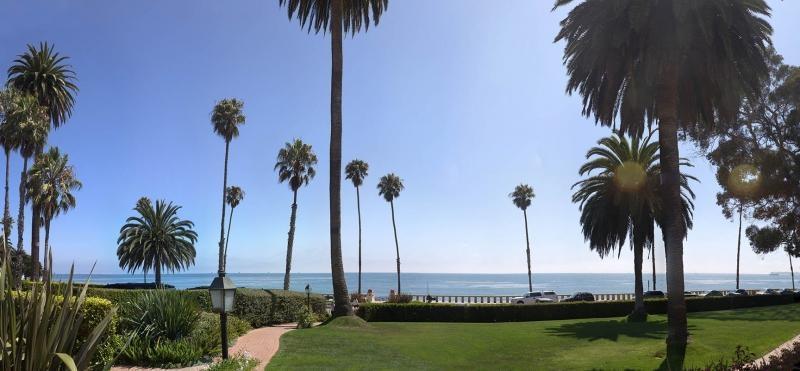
<point>261,344</point>
<point>763,361</point>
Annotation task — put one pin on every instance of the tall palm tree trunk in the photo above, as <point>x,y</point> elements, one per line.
<point>528,250</point>
<point>6,206</point>
<point>739,246</point>
<point>21,214</point>
<point>791,268</point>
<point>36,224</point>
<point>639,311</point>
<point>673,228</point>
<point>222,222</point>
<point>47,262</point>
<point>397,248</point>
<point>358,207</point>
<point>158,270</point>
<point>653,260</point>
<point>341,301</point>
<point>228,236</point>
<point>290,244</point>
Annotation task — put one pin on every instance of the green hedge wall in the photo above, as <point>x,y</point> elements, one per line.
<point>423,312</point>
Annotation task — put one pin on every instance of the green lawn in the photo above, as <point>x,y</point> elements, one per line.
<point>608,343</point>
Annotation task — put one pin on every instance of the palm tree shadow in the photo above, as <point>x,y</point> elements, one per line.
<point>611,330</point>
<point>772,313</point>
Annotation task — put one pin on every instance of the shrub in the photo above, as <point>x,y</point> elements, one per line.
<point>207,335</point>
<point>161,314</point>
<point>425,312</point>
<point>143,351</point>
<point>400,299</point>
<point>238,362</point>
<point>305,318</point>
<point>266,307</point>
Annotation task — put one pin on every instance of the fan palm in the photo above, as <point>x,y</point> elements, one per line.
<point>226,118</point>
<point>620,200</point>
<point>336,16</point>
<point>233,196</point>
<point>669,62</point>
<point>390,187</point>
<point>356,171</point>
<point>156,238</point>
<point>44,74</point>
<point>33,130</point>
<point>51,183</point>
<point>295,165</point>
<point>521,197</point>
<point>9,130</point>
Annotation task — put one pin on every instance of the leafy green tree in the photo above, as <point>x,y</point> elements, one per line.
<point>356,171</point>
<point>390,187</point>
<point>672,63</point>
<point>44,74</point>
<point>620,199</point>
<point>336,17</point>
<point>233,196</point>
<point>521,197</point>
<point>156,238</point>
<point>226,118</point>
<point>295,165</point>
<point>51,183</point>
<point>769,239</point>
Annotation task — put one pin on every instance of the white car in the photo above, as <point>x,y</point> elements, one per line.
<point>537,297</point>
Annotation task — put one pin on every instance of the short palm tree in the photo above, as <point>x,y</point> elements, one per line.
<point>233,196</point>
<point>226,118</point>
<point>521,197</point>
<point>44,74</point>
<point>295,165</point>
<point>620,200</point>
<point>671,63</point>
<point>156,239</point>
<point>338,17</point>
<point>356,171</point>
<point>51,183</point>
<point>390,187</point>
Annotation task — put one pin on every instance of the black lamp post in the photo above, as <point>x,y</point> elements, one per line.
<point>308,296</point>
<point>222,291</point>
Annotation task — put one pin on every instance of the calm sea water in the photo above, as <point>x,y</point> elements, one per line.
<point>461,284</point>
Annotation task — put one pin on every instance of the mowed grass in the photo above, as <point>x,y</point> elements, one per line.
<point>607,343</point>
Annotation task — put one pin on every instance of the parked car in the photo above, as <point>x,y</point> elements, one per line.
<point>787,292</point>
<point>537,297</point>
<point>769,292</point>
<point>580,296</point>
<point>690,294</point>
<point>739,292</point>
<point>714,293</point>
<point>653,294</point>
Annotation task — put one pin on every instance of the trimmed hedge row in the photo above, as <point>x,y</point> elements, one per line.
<point>259,307</point>
<point>424,312</point>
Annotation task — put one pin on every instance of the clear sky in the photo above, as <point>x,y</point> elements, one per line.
<point>462,99</point>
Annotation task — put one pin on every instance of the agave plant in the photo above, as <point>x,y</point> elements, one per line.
<point>39,328</point>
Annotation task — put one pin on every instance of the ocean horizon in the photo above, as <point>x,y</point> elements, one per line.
<point>459,283</point>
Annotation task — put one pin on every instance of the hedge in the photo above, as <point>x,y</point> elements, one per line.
<point>425,312</point>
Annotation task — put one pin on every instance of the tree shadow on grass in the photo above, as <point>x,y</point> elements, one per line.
<point>611,330</point>
<point>773,313</point>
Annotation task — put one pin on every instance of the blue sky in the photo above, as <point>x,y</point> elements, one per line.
<point>462,99</point>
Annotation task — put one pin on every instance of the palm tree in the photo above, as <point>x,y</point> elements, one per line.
<point>226,118</point>
<point>34,127</point>
<point>295,164</point>
<point>336,16</point>
<point>521,197</point>
<point>672,63</point>
<point>43,73</point>
<point>389,187</point>
<point>356,171</point>
<point>51,183</point>
<point>156,238</point>
<point>233,196</point>
<point>9,134</point>
<point>620,200</point>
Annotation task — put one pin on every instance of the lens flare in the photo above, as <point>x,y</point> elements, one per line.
<point>630,176</point>
<point>744,180</point>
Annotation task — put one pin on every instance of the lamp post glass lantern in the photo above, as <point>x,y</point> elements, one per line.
<point>222,291</point>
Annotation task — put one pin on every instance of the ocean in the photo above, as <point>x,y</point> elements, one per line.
<point>461,283</point>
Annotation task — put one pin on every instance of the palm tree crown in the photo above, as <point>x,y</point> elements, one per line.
<point>226,118</point>
<point>42,73</point>
<point>617,53</point>
<point>156,238</point>
<point>233,196</point>
<point>390,186</point>
<point>522,196</point>
<point>315,14</point>
<point>27,125</point>
<point>295,164</point>
<point>356,171</point>
<point>51,182</point>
